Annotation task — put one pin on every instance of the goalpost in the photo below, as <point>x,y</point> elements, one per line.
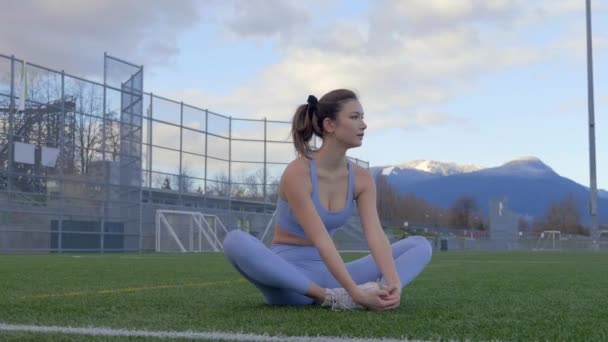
<point>549,240</point>
<point>602,237</point>
<point>180,231</point>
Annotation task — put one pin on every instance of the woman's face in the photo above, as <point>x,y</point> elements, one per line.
<point>349,126</point>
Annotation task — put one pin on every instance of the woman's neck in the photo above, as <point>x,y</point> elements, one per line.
<point>330,159</point>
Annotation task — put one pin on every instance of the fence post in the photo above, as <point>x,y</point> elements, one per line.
<point>265,181</point>
<point>229,164</point>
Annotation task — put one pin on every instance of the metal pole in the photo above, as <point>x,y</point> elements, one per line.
<point>157,231</point>
<point>181,151</point>
<point>265,181</point>
<point>199,228</point>
<point>105,168</point>
<point>229,164</point>
<point>206,149</point>
<point>190,245</point>
<point>9,173</point>
<point>592,166</point>
<point>61,158</point>
<point>150,139</point>
<point>141,192</point>
<point>103,126</point>
<point>10,132</point>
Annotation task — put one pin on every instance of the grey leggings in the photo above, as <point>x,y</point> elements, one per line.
<point>284,273</point>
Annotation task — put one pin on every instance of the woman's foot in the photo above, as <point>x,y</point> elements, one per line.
<point>339,299</point>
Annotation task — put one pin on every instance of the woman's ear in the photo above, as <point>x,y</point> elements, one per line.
<point>329,126</point>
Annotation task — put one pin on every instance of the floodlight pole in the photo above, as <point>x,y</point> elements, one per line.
<point>590,105</point>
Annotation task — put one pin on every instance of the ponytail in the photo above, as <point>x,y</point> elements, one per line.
<point>308,118</point>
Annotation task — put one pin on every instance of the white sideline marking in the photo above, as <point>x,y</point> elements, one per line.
<point>132,289</point>
<point>509,261</point>
<point>198,335</point>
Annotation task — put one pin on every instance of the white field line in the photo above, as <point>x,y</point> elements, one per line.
<point>193,335</point>
<point>132,289</point>
<point>507,261</point>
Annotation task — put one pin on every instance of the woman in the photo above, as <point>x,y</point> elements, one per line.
<point>316,196</point>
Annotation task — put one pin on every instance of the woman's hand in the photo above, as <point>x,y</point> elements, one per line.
<point>393,294</point>
<point>376,298</point>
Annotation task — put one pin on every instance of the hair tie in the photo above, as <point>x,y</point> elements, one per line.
<point>312,104</point>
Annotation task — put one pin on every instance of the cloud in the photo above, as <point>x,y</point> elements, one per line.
<point>391,57</point>
<point>267,18</point>
<point>73,35</point>
<point>420,119</point>
<point>422,17</point>
<point>400,57</point>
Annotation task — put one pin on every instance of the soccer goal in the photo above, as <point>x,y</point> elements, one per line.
<point>549,240</point>
<point>188,231</point>
<point>602,237</point>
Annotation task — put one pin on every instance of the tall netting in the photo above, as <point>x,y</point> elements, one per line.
<point>123,134</point>
<point>85,165</point>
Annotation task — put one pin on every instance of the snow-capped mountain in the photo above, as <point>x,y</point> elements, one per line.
<point>529,184</point>
<point>420,170</point>
<point>525,166</point>
<point>439,168</point>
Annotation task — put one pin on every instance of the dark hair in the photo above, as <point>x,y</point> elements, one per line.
<point>308,118</point>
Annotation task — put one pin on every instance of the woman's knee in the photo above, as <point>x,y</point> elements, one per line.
<point>427,246</point>
<point>422,243</point>
<point>234,242</point>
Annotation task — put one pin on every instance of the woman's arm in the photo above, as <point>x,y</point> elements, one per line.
<point>377,241</point>
<point>298,197</point>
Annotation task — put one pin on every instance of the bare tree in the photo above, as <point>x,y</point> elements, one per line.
<point>387,201</point>
<point>523,225</point>
<point>254,184</point>
<point>113,136</point>
<point>219,186</point>
<point>462,212</point>
<point>564,216</point>
<point>161,181</point>
<point>86,123</point>
<point>166,184</point>
<point>238,184</point>
<point>395,209</point>
<point>186,183</point>
<point>272,190</point>
<point>250,186</point>
<point>238,190</point>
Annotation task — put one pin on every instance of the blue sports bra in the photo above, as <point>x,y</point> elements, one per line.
<point>332,219</point>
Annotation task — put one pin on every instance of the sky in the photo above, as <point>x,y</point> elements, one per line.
<point>473,82</point>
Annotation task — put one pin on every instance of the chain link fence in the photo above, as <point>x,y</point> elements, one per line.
<point>85,164</point>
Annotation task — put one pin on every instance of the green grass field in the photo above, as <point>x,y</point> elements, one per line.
<point>475,296</point>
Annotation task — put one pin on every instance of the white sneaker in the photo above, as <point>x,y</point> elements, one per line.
<point>339,299</point>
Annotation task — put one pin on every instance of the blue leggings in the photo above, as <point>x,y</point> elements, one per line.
<point>284,273</point>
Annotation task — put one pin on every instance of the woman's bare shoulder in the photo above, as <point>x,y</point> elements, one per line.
<point>362,173</point>
<point>295,173</point>
<point>363,179</point>
<point>296,168</point>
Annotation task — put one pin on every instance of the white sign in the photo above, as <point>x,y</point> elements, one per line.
<point>49,156</point>
<point>24,153</point>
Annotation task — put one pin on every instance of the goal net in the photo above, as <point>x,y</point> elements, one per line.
<point>549,240</point>
<point>188,231</point>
